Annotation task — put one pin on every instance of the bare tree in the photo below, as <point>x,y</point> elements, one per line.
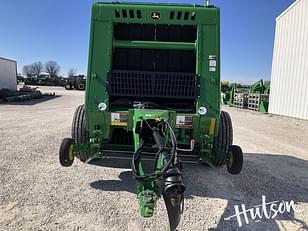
<point>72,72</point>
<point>28,70</point>
<point>52,68</point>
<point>37,68</point>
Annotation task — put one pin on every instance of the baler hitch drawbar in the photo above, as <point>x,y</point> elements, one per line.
<point>152,128</point>
<point>167,177</point>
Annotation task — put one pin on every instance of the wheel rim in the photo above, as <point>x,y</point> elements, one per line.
<point>70,152</point>
<point>230,160</point>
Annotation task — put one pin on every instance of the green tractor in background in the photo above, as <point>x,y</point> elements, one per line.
<point>75,82</point>
<point>153,90</point>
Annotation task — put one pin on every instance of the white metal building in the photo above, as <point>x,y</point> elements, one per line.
<point>8,74</point>
<point>289,80</point>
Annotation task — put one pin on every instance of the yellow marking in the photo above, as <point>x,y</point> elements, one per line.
<point>183,126</point>
<point>231,160</point>
<point>70,152</point>
<point>118,123</point>
<point>151,115</point>
<point>158,119</point>
<point>212,126</point>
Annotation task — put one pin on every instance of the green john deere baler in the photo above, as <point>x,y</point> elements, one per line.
<point>153,90</point>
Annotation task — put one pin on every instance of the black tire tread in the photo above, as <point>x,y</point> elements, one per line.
<point>225,137</point>
<point>63,152</point>
<point>229,122</point>
<point>79,132</point>
<point>237,153</point>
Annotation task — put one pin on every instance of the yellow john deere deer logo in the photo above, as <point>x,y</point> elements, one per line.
<point>155,15</point>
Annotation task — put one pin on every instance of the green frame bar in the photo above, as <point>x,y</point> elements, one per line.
<point>154,45</point>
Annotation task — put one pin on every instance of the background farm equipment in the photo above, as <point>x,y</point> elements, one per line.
<point>254,97</point>
<point>258,97</point>
<point>153,90</point>
<point>22,94</point>
<point>75,82</point>
<point>227,94</point>
<point>44,80</point>
<point>234,94</point>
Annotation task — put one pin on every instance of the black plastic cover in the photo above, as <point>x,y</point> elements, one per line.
<point>152,84</point>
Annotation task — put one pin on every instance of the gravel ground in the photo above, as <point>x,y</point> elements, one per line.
<point>36,193</point>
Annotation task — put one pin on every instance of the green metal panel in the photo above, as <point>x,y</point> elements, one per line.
<point>207,48</point>
<point>99,65</point>
<point>154,45</point>
<point>106,12</point>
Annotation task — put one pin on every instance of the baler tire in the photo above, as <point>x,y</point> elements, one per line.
<point>79,132</point>
<point>224,139</point>
<point>66,155</point>
<point>235,160</point>
<point>230,129</point>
